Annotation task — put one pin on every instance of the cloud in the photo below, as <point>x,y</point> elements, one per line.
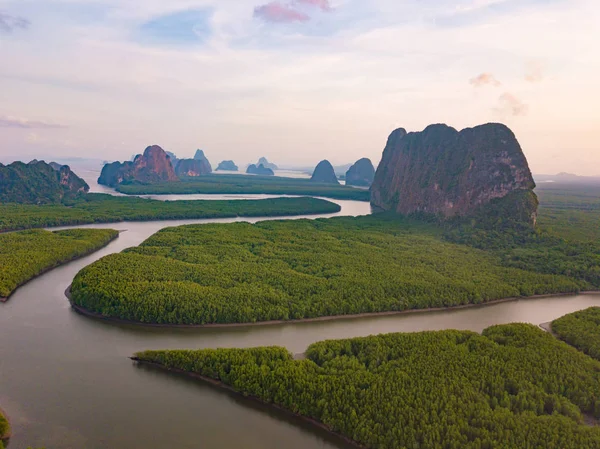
<point>13,122</point>
<point>511,105</point>
<point>9,23</point>
<point>485,79</point>
<point>277,12</point>
<point>534,72</point>
<point>321,4</point>
<point>181,27</point>
<point>294,11</point>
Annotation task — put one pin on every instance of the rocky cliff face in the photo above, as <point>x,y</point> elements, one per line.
<point>445,172</point>
<point>193,167</point>
<point>227,166</point>
<point>38,183</point>
<point>324,173</point>
<point>259,170</point>
<point>361,174</point>
<point>151,167</point>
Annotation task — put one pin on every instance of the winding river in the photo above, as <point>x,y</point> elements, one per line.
<point>66,381</point>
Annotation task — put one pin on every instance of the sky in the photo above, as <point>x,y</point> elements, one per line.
<point>296,81</point>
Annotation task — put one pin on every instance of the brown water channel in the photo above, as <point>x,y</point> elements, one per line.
<point>66,381</point>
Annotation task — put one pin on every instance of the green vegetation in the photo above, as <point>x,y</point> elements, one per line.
<point>101,208</point>
<point>581,330</point>
<point>570,211</point>
<point>233,184</point>
<point>26,254</point>
<point>288,270</point>
<point>38,183</point>
<point>515,386</point>
<point>4,429</point>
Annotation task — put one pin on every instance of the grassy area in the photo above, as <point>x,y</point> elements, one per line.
<point>515,386</point>
<point>26,254</point>
<point>101,208</point>
<point>242,184</point>
<point>581,330</point>
<point>287,270</point>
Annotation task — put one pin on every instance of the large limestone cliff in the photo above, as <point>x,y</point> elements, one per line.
<point>448,173</point>
<point>152,166</point>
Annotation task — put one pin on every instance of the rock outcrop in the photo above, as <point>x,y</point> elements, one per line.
<point>56,166</point>
<point>38,183</point>
<point>361,174</point>
<point>324,173</point>
<point>265,163</point>
<point>193,167</point>
<point>448,173</point>
<point>259,170</point>
<point>151,167</point>
<point>227,166</point>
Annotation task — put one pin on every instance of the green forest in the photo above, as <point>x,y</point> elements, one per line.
<point>26,254</point>
<point>237,184</point>
<point>581,330</point>
<point>514,386</point>
<point>298,269</point>
<point>4,429</point>
<point>102,208</point>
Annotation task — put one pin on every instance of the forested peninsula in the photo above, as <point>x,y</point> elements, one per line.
<point>513,386</point>
<point>102,208</point>
<point>27,254</point>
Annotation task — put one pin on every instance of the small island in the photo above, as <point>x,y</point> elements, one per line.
<point>324,173</point>
<point>227,166</point>
<point>259,170</point>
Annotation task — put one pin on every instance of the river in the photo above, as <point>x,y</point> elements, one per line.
<point>66,381</point>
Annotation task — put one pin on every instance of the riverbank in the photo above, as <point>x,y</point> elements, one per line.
<point>59,264</point>
<point>90,314</point>
<point>218,384</point>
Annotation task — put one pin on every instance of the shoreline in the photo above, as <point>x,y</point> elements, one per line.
<point>60,264</point>
<point>85,312</point>
<point>218,384</point>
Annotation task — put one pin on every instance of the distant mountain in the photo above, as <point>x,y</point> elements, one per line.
<point>265,163</point>
<point>227,166</point>
<point>444,172</point>
<point>151,167</point>
<point>361,174</point>
<point>324,173</point>
<point>259,170</point>
<point>172,157</point>
<point>567,178</point>
<point>38,183</point>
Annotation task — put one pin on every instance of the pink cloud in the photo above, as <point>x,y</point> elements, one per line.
<point>322,4</point>
<point>485,79</point>
<point>277,12</point>
<point>511,105</point>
